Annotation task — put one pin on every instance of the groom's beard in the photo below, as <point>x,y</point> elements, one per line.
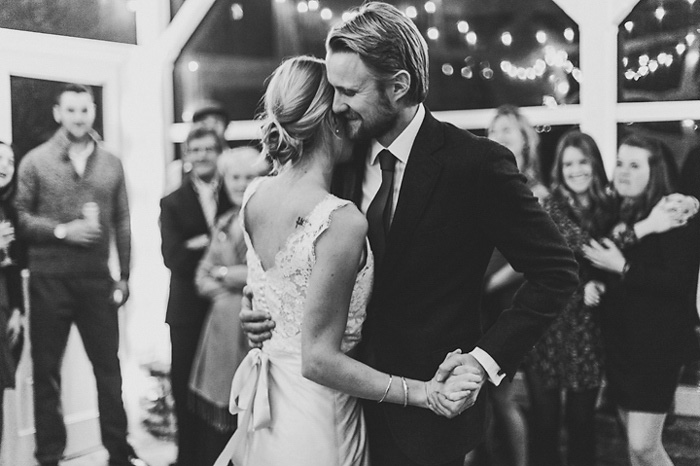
<point>372,126</point>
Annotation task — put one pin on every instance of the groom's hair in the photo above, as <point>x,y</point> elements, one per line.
<point>387,42</point>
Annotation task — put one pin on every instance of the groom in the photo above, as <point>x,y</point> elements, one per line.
<point>447,198</point>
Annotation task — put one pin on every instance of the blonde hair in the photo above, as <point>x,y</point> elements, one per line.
<point>387,43</point>
<point>298,100</point>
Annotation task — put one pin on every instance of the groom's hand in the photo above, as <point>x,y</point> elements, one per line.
<point>257,325</point>
<point>456,384</point>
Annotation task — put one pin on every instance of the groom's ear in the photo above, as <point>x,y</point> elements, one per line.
<point>401,83</point>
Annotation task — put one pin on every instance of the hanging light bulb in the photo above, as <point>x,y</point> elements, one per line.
<point>463,27</point>
<point>541,37</point>
<point>411,12</point>
<point>433,33</point>
<point>569,34</point>
<point>430,7</point>
<point>660,12</point>
<point>629,25</point>
<point>471,38</point>
<point>326,14</point>
<point>313,5</point>
<point>507,39</point>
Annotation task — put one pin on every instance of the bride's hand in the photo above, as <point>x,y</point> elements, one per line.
<point>257,325</point>
<point>459,391</point>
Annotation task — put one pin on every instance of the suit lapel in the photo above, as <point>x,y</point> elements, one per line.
<point>419,179</point>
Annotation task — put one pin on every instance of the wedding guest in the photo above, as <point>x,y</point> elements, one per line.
<point>508,434</point>
<point>647,327</point>
<point>220,277</point>
<point>569,357</point>
<point>72,206</point>
<point>186,218</point>
<point>12,260</point>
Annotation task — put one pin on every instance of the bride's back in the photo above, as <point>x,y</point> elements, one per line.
<point>275,211</point>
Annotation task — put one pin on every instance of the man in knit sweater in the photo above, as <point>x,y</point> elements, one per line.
<point>71,202</point>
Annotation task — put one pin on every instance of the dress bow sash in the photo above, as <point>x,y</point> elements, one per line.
<point>249,395</point>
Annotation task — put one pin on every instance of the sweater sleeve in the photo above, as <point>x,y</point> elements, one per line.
<point>32,228</point>
<point>122,225</point>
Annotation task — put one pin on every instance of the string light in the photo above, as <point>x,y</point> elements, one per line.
<point>302,7</point>
<point>237,11</point>
<point>411,12</point>
<point>326,14</point>
<point>467,72</point>
<point>313,5</point>
<point>507,39</point>
<point>447,69</point>
<point>347,16</point>
<point>430,7</point>
<point>629,25</point>
<point>660,12</point>
<point>569,34</point>
<point>193,66</point>
<point>471,38</point>
<point>463,27</point>
<point>541,37</point>
<point>433,33</point>
<point>690,38</point>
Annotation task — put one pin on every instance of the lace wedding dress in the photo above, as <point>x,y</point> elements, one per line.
<point>285,419</point>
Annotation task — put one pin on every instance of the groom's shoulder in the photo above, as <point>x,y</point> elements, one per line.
<point>465,146</point>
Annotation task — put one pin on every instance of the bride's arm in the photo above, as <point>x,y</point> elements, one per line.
<point>338,253</point>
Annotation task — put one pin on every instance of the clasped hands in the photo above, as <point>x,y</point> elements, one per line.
<point>456,384</point>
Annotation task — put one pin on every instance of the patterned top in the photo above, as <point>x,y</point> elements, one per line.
<point>570,354</point>
<point>281,290</point>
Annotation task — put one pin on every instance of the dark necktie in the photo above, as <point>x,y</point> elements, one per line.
<point>379,211</point>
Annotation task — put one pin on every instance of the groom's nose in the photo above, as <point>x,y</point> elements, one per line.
<point>339,105</point>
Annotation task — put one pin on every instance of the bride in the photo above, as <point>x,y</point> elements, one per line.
<point>311,268</point>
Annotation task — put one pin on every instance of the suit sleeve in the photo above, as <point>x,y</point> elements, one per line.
<point>180,260</point>
<point>532,244</point>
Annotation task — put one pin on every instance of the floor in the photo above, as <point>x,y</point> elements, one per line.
<point>142,389</point>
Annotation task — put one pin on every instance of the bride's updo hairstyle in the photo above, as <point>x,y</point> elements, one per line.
<point>298,100</point>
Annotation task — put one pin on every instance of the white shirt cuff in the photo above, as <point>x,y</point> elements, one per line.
<point>493,370</point>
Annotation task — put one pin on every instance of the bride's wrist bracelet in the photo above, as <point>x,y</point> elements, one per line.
<point>386,392</point>
<point>405,391</point>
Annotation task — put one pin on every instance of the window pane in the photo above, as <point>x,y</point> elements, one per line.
<point>482,54</point>
<point>659,51</point>
<point>112,20</point>
<point>32,103</point>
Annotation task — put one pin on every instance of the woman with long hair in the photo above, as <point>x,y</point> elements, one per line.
<point>510,128</point>
<point>646,322</point>
<point>569,356</point>
<point>12,259</point>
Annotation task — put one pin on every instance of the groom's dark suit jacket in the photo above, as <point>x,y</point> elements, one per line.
<point>460,197</point>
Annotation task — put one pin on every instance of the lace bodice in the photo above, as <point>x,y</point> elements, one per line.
<point>281,290</point>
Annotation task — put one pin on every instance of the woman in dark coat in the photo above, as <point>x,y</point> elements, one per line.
<point>646,323</point>
<point>12,260</point>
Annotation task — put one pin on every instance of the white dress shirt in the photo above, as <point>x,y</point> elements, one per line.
<point>79,158</point>
<point>401,148</point>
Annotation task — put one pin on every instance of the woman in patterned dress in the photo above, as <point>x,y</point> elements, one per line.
<point>569,356</point>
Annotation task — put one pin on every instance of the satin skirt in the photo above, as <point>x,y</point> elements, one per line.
<point>307,424</point>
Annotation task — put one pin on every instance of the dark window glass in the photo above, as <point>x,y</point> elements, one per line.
<point>482,54</point>
<point>32,103</point>
<point>659,50</point>
<point>111,20</point>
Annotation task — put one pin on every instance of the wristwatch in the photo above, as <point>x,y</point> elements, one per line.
<point>221,272</point>
<point>60,231</point>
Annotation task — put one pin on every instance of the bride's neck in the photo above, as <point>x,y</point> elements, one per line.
<point>314,166</point>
